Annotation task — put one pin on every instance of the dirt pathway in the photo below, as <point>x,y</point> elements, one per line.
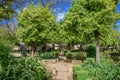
<point>61,70</point>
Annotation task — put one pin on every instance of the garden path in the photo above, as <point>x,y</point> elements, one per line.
<point>61,70</point>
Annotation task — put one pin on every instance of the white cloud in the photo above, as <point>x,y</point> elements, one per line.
<point>60,16</point>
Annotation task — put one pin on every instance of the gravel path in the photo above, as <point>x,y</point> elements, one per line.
<point>61,70</point>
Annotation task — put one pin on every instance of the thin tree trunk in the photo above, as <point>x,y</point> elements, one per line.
<point>68,46</point>
<point>61,50</point>
<point>80,48</point>
<point>22,48</point>
<point>44,48</point>
<point>53,46</point>
<point>33,49</point>
<point>96,35</point>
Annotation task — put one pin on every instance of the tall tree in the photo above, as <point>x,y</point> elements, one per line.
<point>34,25</point>
<point>94,19</point>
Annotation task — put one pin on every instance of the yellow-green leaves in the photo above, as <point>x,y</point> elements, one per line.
<point>35,23</point>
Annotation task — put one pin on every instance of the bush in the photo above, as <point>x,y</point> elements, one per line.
<point>106,54</point>
<point>69,56</point>
<point>79,73</point>
<point>107,70</point>
<point>4,54</point>
<point>24,69</point>
<point>7,40</point>
<point>75,55</point>
<point>76,68</point>
<point>91,50</point>
<point>49,55</point>
<point>79,56</point>
<point>56,54</point>
<point>115,56</point>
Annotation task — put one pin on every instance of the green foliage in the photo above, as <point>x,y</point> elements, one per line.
<point>107,70</point>
<point>35,24</point>
<point>86,17</point>
<point>69,56</point>
<point>79,56</point>
<point>49,55</point>
<point>79,73</point>
<point>6,9</point>
<point>7,40</point>
<point>24,69</point>
<point>115,56</point>
<point>82,75</point>
<point>91,50</point>
<point>111,38</point>
<point>90,21</point>
<point>75,55</point>
<point>76,68</point>
<point>105,54</point>
<point>56,54</point>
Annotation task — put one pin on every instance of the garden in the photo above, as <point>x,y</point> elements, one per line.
<point>37,45</point>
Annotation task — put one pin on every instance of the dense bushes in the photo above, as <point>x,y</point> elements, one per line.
<point>49,55</point>
<point>79,73</point>
<point>107,70</point>
<point>7,40</point>
<point>24,69</point>
<point>76,55</point>
<point>91,50</point>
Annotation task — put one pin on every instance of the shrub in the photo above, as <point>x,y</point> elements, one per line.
<point>79,56</point>
<point>56,54</point>
<point>105,54</point>
<point>24,69</point>
<point>107,70</point>
<point>4,54</point>
<point>79,73</point>
<point>76,68</point>
<point>69,56</point>
<point>49,55</point>
<point>115,56</point>
<point>91,50</point>
<point>7,40</point>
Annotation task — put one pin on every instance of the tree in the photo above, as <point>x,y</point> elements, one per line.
<point>34,25</point>
<point>94,19</point>
<point>6,9</point>
<point>7,40</point>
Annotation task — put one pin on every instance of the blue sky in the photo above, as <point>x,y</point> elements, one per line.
<point>59,10</point>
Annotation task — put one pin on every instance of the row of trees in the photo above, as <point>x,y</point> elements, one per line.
<point>84,21</point>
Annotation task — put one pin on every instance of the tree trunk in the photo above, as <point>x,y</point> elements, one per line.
<point>33,49</point>
<point>80,48</point>
<point>22,48</point>
<point>68,46</point>
<point>44,48</point>
<point>96,35</point>
<point>61,50</point>
<point>53,46</point>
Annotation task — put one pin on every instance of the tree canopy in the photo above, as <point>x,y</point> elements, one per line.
<point>35,25</point>
<point>89,18</point>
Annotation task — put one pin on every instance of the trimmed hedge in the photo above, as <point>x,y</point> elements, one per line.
<point>49,55</point>
<point>75,55</point>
